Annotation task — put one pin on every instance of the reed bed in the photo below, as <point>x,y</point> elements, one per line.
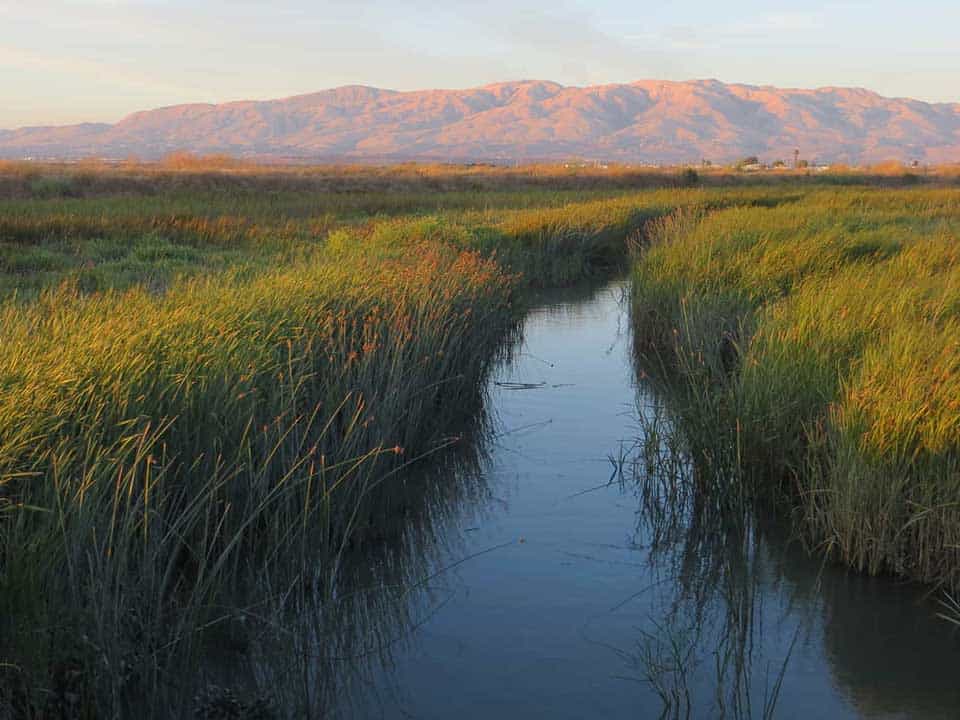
<point>557,245</point>
<point>813,350</point>
<point>546,247</point>
<point>158,450</point>
<point>185,172</point>
<point>209,377</point>
<point>205,399</point>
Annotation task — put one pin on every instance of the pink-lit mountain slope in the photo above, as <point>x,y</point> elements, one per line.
<point>648,120</point>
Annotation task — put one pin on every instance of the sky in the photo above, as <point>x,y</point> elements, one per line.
<point>66,61</point>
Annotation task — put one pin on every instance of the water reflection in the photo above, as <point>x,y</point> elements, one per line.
<point>550,565</point>
<point>749,624</point>
<point>713,646</point>
<point>301,646</point>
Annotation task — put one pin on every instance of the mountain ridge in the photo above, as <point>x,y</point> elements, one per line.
<point>645,120</point>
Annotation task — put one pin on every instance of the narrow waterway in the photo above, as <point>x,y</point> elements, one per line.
<point>556,588</point>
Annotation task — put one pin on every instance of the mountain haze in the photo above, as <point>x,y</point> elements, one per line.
<point>648,120</point>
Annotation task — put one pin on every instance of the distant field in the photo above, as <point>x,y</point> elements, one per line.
<point>106,226</point>
<point>205,372</point>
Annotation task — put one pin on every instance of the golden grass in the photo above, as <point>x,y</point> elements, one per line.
<point>841,313</point>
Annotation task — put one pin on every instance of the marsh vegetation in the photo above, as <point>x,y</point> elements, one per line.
<point>239,411</point>
<point>815,348</point>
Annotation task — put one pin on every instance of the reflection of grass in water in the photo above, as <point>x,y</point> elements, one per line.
<point>314,649</point>
<point>712,555</point>
<point>881,643</point>
<point>951,609</point>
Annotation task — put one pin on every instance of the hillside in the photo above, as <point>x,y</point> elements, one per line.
<point>648,120</point>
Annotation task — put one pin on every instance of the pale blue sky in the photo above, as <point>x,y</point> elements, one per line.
<point>97,60</point>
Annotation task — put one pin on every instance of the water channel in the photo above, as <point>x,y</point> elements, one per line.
<point>551,584</point>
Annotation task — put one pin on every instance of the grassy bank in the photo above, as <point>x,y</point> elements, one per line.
<point>157,451</point>
<point>813,347</point>
<point>120,241</point>
<point>204,400</point>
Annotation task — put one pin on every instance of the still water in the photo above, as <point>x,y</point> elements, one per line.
<point>555,586</point>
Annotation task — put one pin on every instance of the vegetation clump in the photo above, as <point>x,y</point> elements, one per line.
<point>814,346</point>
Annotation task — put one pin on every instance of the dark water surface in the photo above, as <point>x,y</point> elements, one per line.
<point>556,588</point>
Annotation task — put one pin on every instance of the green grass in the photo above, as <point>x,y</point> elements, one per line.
<point>203,399</point>
<point>208,383</point>
<point>120,242</point>
<point>814,347</point>
<point>153,445</point>
<point>151,231</point>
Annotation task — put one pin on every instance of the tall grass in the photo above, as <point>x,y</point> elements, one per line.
<point>221,421</point>
<point>208,377</point>
<point>813,347</point>
<point>546,247</point>
<point>157,451</point>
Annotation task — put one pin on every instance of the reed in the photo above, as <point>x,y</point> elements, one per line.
<point>210,375</point>
<point>813,347</point>
<point>202,403</point>
<point>158,451</point>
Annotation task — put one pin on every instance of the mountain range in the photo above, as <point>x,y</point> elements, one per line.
<point>646,121</point>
